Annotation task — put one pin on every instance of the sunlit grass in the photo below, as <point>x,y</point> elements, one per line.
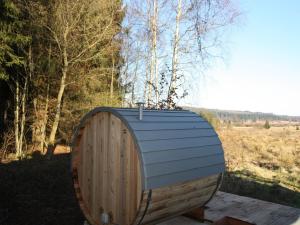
<point>269,156</point>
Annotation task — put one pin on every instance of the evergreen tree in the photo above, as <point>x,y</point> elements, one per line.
<point>12,42</point>
<point>13,62</point>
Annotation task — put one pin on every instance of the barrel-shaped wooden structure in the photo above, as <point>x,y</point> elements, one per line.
<point>137,170</point>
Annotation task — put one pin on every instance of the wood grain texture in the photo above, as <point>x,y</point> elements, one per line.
<point>251,210</point>
<point>106,170</point>
<point>243,208</point>
<point>170,201</point>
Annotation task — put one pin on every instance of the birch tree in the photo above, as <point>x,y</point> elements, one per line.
<point>144,27</point>
<point>182,36</point>
<point>153,32</point>
<point>172,86</point>
<point>154,59</point>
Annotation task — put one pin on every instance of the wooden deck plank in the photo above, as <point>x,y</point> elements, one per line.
<point>181,220</point>
<point>244,208</point>
<point>251,210</point>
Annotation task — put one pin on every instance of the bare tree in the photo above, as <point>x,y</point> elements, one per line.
<point>172,86</point>
<point>184,36</point>
<point>20,113</point>
<point>144,28</point>
<point>154,48</point>
<point>153,73</point>
<point>112,79</point>
<point>79,28</point>
<point>17,119</point>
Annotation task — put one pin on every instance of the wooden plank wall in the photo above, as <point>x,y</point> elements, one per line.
<point>177,199</point>
<point>109,178</point>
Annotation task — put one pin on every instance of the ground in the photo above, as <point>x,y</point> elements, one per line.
<point>263,163</point>
<point>38,191</point>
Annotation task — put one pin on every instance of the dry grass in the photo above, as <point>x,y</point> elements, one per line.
<point>267,154</point>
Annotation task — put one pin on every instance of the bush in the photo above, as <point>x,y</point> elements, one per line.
<point>211,118</point>
<point>267,125</point>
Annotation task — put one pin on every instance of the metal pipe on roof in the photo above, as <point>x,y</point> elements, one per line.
<point>141,107</point>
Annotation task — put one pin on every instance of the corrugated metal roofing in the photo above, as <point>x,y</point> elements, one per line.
<point>175,146</point>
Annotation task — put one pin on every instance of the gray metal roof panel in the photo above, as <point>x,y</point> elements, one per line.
<point>177,166</point>
<point>164,118</point>
<point>167,126</point>
<point>159,145</point>
<point>162,134</point>
<point>181,154</point>
<point>174,146</point>
<point>163,180</point>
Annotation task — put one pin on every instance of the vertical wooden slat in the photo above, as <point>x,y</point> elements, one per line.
<point>90,162</point>
<point>105,180</point>
<point>122,175</point>
<point>139,180</point>
<point>127,179</point>
<point>132,179</point>
<point>111,167</point>
<point>101,132</point>
<point>114,167</point>
<point>96,175</point>
<point>80,159</point>
<point>84,163</point>
<point>108,170</point>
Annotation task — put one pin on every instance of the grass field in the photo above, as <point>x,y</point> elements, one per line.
<point>263,163</point>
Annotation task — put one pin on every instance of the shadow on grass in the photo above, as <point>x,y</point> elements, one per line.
<point>38,191</point>
<point>246,184</point>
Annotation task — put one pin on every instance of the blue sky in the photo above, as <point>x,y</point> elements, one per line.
<point>262,67</point>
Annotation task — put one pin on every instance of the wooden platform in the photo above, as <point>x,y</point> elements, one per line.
<point>244,208</point>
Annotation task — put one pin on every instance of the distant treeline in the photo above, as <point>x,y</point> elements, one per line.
<point>238,116</point>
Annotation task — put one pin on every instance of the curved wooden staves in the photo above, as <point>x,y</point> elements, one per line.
<point>107,178</point>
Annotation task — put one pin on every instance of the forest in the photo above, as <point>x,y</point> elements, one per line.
<point>244,116</point>
<point>62,58</point>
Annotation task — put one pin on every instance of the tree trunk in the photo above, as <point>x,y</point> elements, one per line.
<point>145,94</point>
<point>149,83</point>
<point>23,118</point>
<point>172,86</point>
<point>153,62</point>
<point>134,82</point>
<point>45,121</point>
<point>58,107</point>
<point>155,27</point>
<point>59,98</point>
<point>112,81</point>
<point>16,121</point>
<point>41,115</point>
<point>45,117</point>
<point>23,100</point>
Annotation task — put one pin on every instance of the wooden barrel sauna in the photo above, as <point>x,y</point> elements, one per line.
<point>131,168</point>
